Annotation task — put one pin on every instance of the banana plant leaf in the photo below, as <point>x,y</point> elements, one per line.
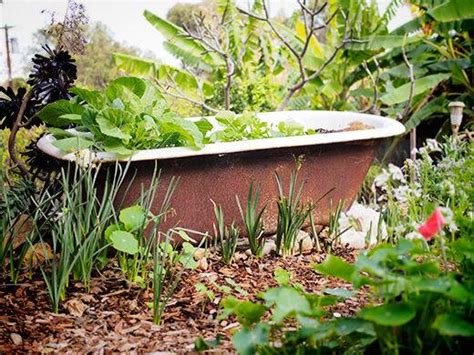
<point>402,93</point>
<point>453,10</point>
<point>179,38</point>
<point>438,105</point>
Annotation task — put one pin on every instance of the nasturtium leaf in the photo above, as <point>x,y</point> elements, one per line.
<point>124,241</point>
<point>346,326</point>
<point>287,301</point>
<point>392,314</point>
<point>282,276</point>
<point>109,230</point>
<point>57,113</point>
<point>339,292</point>
<point>71,144</point>
<point>133,217</point>
<point>247,340</point>
<point>334,266</point>
<point>186,257</point>
<point>453,325</point>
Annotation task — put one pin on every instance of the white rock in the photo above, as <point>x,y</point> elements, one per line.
<point>303,240</point>
<point>199,253</point>
<point>202,264</point>
<point>16,338</point>
<point>361,220</point>
<point>269,246</point>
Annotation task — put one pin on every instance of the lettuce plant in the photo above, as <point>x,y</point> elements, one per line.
<point>130,114</point>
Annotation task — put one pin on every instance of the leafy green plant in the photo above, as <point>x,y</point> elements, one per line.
<point>252,219</point>
<point>128,235</point>
<point>439,177</point>
<point>248,126</point>
<point>226,236</point>
<point>130,114</point>
<point>411,285</point>
<point>167,272</point>
<point>240,127</point>
<point>14,204</point>
<point>291,214</point>
<point>419,308</point>
<point>286,304</point>
<point>77,224</point>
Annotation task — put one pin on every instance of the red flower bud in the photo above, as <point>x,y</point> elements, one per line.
<point>433,225</point>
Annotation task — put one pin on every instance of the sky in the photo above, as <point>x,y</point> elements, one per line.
<point>124,18</point>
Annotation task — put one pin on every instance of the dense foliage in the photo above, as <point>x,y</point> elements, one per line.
<point>417,305</point>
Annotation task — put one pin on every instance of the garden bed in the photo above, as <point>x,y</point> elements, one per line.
<point>114,315</point>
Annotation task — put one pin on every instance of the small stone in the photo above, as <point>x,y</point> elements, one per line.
<point>337,315</point>
<point>199,253</point>
<point>202,264</point>
<point>303,244</point>
<point>16,338</point>
<point>248,252</point>
<point>268,247</point>
<point>240,256</point>
<point>224,323</point>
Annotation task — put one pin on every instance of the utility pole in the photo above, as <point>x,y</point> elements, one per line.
<point>7,47</point>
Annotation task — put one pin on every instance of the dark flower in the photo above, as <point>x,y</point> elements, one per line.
<point>40,164</point>
<point>52,75</point>
<point>10,103</point>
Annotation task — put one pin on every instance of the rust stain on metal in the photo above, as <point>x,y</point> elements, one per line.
<point>340,167</point>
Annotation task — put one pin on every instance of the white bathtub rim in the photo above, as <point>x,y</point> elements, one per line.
<point>383,127</point>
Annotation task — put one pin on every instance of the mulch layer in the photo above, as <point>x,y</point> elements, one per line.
<point>114,315</point>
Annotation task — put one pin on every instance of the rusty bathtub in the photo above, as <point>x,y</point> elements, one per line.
<point>331,162</point>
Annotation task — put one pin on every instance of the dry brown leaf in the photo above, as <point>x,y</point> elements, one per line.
<point>38,253</point>
<point>75,307</point>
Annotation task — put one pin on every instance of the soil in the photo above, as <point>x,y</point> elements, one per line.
<point>114,315</point>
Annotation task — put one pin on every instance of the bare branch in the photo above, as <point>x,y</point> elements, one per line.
<point>179,94</point>
<point>375,82</point>
<point>14,131</point>
<point>412,82</point>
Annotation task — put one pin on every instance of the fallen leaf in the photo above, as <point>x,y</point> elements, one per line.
<point>75,307</point>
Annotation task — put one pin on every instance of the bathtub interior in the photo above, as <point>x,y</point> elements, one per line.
<point>381,127</point>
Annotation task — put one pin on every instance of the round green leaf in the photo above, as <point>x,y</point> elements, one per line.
<point>124,241</point>
<point>132,217</point>
<point>389,314</point>
<point>453,325</point>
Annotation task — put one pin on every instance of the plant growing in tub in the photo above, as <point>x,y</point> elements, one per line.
<point>131,114</point>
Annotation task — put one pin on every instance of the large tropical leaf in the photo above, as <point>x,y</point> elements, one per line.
<point>186,57</point>
<point>402,93</point>
<point>384,42</point>
<point>453,10</point>
<point>135,65</point>
<point>437,105</point>
<point>178,37</point>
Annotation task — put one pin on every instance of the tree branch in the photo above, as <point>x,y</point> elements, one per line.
<point>14,131</point>
<point>375,82</point>
<point>179,94</point>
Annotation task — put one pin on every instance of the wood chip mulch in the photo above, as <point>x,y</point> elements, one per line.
<point>114,315</point>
